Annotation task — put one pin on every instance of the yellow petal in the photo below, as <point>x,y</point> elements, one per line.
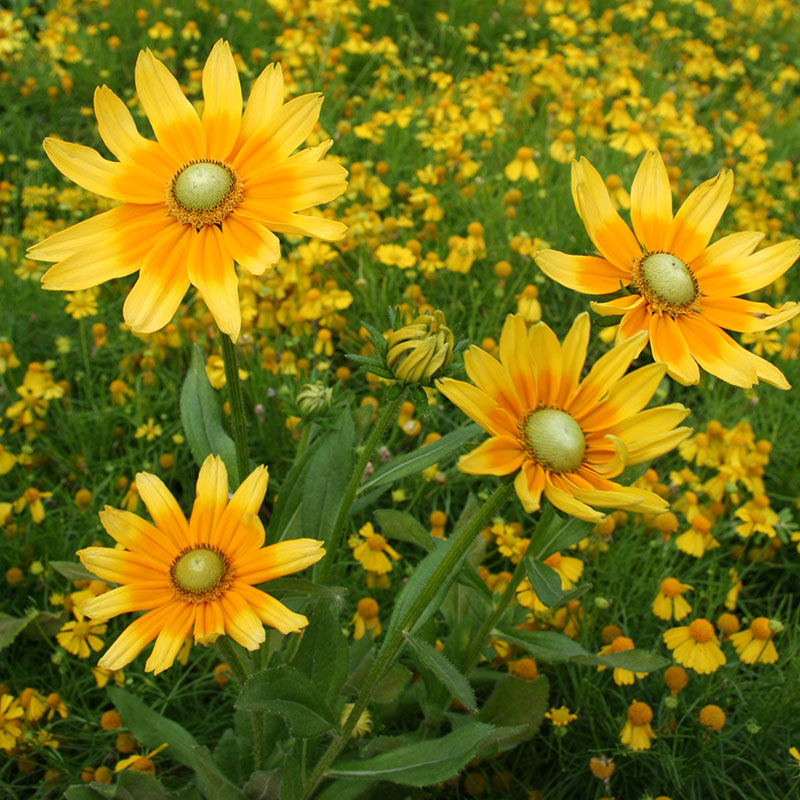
<point>587,274</point>
<point>121,136</point>
<point>499,455</point>
<point>271,611</point>
<point>544,351</point>
<point>651,202</point>
<point>171,638</point>
<point>573,354</point>
<point>222,107</point>
<point>162,283</point>
<point>697,218</point>
<point>125,599</point>
<point>477,405</point>
<point>295,224</point>
<point>119,181</point>
<point>529,485</point>
<point>138,535</point>
<point>172,117</point>
<point>266,97</point>
<point>250,244</point>
<point>296,186</point>
<point>210,500</point>
<point>122,566</point>
<point>568,504</point>
<point>277,560</point>
<point>515,357</point>
<point>211,270</point>
<point>242,624</point>
<point>164,509</point>
<point>737,314</point>
<point>488,374</point>
<point>136,637</point>
<point>247,499</point>
<point>668,345</point>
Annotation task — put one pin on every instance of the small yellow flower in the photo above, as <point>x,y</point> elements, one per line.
<point>754,645</point>
<point>622,677</point>
<point>372,549</point>
<point>149,430</point>
<point>637,733</point>
<point>11,720</point>
<point>695,646</point>
<point>79,635</point>
<point>560,717</point>
<point>669,602</point>
<point>366,618</point>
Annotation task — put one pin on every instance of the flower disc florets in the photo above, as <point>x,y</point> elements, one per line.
<point>203,193</point>
<point>665,282</point>
<point>555,440</point>
<point>200,573</point>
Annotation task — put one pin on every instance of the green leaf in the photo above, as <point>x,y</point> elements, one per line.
<point>344,789</point>
<point>516,708</point>
<point>132,785</point>
<point>557,534</point>
<point>263,786</point>
<point>323,655</point>
<point>292,696</point>
<point>303,587</point>
<point>287,506</point>
<point>634,660</point>
<point>548,646</point>
<point>202,419</point>
<point>391,685</point>
<point>325,482</point>
<point>90,791</point>
<point>11,627</point>
<point>416,461</point>
<point>401,526</point>
<point>545,581</point>
<point>458,686</point>
<point>73,570</point>
<point>227,754</point>
<point>213,783</point>
<point>291,779</point>
<point>152,729</point>
<point>422,763</point>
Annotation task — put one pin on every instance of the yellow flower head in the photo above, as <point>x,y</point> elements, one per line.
<point>622,677</point>
<point>565,437</point>
<point>695,646</point>
<point>11,721</point>
<point>372,549</point>
<point>560,717</point>
<point>366,618</point>
<point>78,636</point>
<point>669,602</point>
<point>683,289</point>
<point>754,645</point>
<point>208,192</point>
<point>197,576</point>
<point>637,733</point>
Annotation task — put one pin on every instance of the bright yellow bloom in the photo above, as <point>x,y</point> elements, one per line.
<point>370,551</point>
<point>364,724</point>
<point>565,437</point>
<point>712,717</point>
<point>637,733</point>
<point>754,645</point>
<point>622,677</point>
<point>683,289</point>
<point>695,646</point>
<point>560,717</point>
<point>11,713</point>
<point>197,576</point>
<point>669,602</point>
<point>366,618</point>
<point>757,516</point>
<point>79,635</point>
<point>209,192</point>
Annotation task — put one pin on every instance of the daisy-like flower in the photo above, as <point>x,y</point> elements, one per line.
<point>754,645</point>
<point>669,602</point>
<point>81,636</point>
<point>372,550</point>
<point>695,646</point>
<point>560,717</point>
<point>11,721</point>
<point>563,436</point>
<point>197,576</point>
<point>636,734</point>
<point>208,192</point>
<point>683,292</point>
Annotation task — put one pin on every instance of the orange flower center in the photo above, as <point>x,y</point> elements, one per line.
<point>554,440</point>
<point>199,574</point>
<point>621,643</point>
<point>701,630</point>
<point>82,630</point>
<point>376,542</point>
<point>759,627</point>
<point>203,193</point>
<point>665,282</point>
<point>670,587</point>
<point>640,713</point>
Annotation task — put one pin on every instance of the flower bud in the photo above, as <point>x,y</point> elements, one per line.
<point>421,350</point>
<point>313,398</point>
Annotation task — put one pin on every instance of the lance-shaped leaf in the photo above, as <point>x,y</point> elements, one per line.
<point>458,686</point>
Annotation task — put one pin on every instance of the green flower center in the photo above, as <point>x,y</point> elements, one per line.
<point>202,185</point>
<point>666,281</point>
<point>555,439</point>
<point>199,570</point>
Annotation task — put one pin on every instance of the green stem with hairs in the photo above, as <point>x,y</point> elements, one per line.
<point>238,421</point>
<point>386,416</point>
<point>463,540</point>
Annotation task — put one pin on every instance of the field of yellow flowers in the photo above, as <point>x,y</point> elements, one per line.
<point>396,399</point>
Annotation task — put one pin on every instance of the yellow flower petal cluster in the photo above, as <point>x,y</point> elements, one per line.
<point>208,192</point>
<point>637,734</point>
<point>695,646</point>
<point>196,576</point>
<point>684,290</point>
<point>754,645</point>
<point>565,437</point>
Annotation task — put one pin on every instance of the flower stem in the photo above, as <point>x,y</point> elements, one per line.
<point>463,539</point>
<point>238,421</point>
<point>479,640</point>
<point>386,416</point>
